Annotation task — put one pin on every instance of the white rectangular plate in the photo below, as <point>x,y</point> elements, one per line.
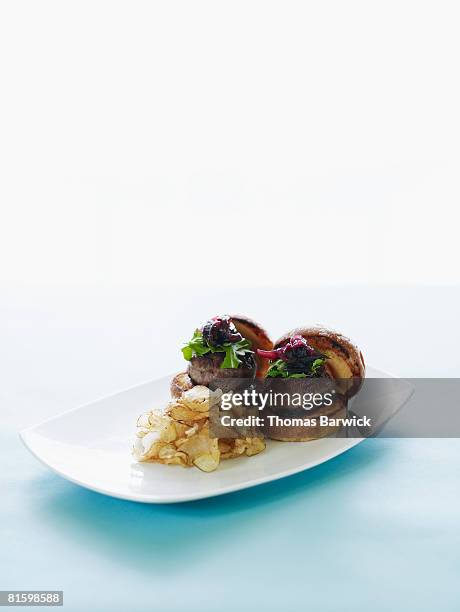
<point>91,446</point>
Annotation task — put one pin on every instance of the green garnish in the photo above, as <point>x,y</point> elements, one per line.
<point>280,369</point>
<point>316,365</point>
<point>198,346</point>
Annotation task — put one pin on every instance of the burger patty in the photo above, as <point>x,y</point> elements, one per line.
<point>205,369</point>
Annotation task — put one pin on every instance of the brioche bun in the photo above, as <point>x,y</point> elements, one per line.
<point>345,360</point>
<point>258,338</point>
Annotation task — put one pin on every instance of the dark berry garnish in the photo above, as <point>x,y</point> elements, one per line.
<point>219,330</point>
<point>297,356</point>
<point>296,349</point>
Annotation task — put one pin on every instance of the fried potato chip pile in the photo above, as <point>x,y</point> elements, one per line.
<point>180,434</point>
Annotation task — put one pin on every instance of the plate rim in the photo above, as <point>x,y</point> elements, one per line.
<point>26,434</point>
<point>152,499</point>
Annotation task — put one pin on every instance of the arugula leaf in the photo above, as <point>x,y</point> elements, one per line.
<point>198,346</point>
<point>316,365</point>
<point>280,369</point>
<point>231,360</point>
<point>187,352</point>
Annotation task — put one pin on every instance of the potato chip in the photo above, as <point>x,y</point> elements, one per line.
<point>183,414</point>
<point>199,444</point>
<point>192,431</point>
<point>254,446</point>
<point>199,398</point>
<point>207,462</point>
<point>143,420</point>
<point>180,434</point>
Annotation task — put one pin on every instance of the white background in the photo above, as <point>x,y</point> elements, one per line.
<point>155,155</point>
<point>295,142</point>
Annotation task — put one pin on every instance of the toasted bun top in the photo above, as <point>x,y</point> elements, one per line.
<point>345,358</point>
<point>258,338</point>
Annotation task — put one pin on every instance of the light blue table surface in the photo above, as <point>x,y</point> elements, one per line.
<point>374,529</point>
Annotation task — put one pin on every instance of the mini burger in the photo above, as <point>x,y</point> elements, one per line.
<point>224,347</point>
<point>313,353</point>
